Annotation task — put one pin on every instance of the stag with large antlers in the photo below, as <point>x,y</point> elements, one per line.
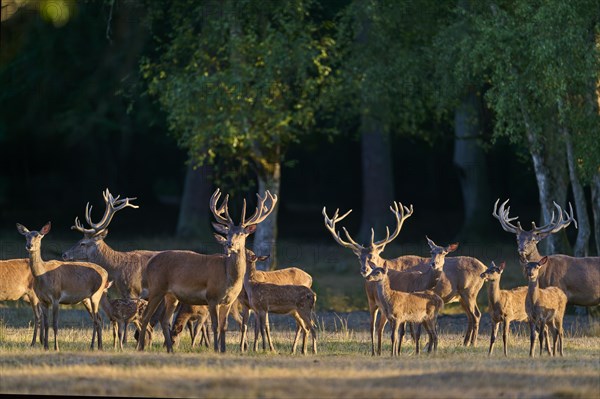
<point>579,278</point>
<point>126,269</point>
<point>459,281</point>
<point>197,279</point>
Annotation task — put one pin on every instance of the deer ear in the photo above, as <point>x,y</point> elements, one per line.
<point>220,228</point>
<point>452,247</point>
<point>220,239</point>
<point>263,258</point>
<point>543,261</point>
<point>251,229</point>
<point>252,257</point>
<point>46,229</point>
<point>502,266</point>
<point>22,229</point>
<point>108,285</point>
<point>430,242</point>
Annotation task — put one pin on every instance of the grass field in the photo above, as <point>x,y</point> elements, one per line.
<point>343,367</point>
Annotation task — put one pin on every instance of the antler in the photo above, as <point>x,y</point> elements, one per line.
<point>502,215</point>
<point>330,225</point>
<point>113,205</point>
<point>401,213</point>
<point>262,211</point>
<point>218,212</point>
<point>561,223</point>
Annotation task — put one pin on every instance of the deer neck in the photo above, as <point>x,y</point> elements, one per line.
<point>534,256</point>
<point>249,276</point>
<point>235,270</point>
<point>384,290</point>
<point>36,263</point>
<point>533,291</point>
<point>494,291</point>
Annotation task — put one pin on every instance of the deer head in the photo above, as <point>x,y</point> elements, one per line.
<point>371,252</point>
<point>377,274</point>
<point>235,235</point>
<point>493,272</point>
<point>527,240</point>
<point>87,247</point>
<point>532,269</point>
<point>33,238</point>
<point>438,253</point>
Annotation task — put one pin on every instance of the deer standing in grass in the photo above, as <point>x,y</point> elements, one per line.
<point>121,312</point>
<point>295,300</point>
<point>545,308</point>
<point>286,276</point>
<point>459,281</point>
<point>126,269</point>
<point>16,282</point>
<point>401,307</point>
<point>68,283</point>
<point>505,306</point>
<point>196,279</point>
<point>578,278</point>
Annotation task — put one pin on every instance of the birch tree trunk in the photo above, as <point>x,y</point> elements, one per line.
<point>265,237</point>
<point>596,209</point>
<point>194,220</point>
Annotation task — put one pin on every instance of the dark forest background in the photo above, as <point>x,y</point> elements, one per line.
<point>78,114</point>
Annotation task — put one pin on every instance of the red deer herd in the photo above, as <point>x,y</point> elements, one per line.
<point>198,288</point>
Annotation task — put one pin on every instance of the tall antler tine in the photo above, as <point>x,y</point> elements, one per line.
<point>372,236</point>
<point>244,211</point>
<point>572,217</point>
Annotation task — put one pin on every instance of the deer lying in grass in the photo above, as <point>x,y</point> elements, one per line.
<point>460,280</point>
<point>197,279</point>
<point>505,306</point>
<point>66,283</point>
<point>578,278</point>
<point>287,276</point>
<point>121,312</point>
<point>195,317</point>
<point>545,308</point>
<point>400,307</point>
<point>16,282</point>
<point>295,300</point>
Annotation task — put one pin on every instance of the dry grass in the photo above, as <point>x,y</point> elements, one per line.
<point>343,367</point>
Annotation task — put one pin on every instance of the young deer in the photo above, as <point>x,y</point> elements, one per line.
<point>545,308</point>
<point>459,282</point>
<point>504,305</point>
<point>195,317</point>
<point>296,300</point>
<point>66,283</point>
<point>16,282</point>
<point>121,312</point>
<point>578,278</point>
<point>214,280</point>
<point>286,276</point>
<point>400,307</point>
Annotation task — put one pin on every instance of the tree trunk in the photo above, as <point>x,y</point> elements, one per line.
<point>194,217</point>
<point>596,209</point>
<point>469,159</point>
<point>583,234</point>
<point>549,164</point>
<point>377,179</point>
<point>265,238</point>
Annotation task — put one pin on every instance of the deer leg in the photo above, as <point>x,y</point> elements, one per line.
<point>495,326</point>
<point>46,321</point>
<point>373,317</point>
<point>153,303</point>
<point>55,323</point>
<point>268,330</point>
<point>36,319</point>
<point>542,336</point>
<point>380,326</point>
<point>560,337</point>
<point>505,334</point>
<point>124,335</point>
<point>192,330</point>
<point>170,305</point>
<point>261,326</point>
<point>223,313</point>
<point>244,329</point>
<point>532,336</point>
<point>430,328</point>
<point>298,327</point>
<point>115,330</point>
<point>465,305</point>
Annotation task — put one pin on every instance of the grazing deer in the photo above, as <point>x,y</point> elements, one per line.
<point>214,280</point>
<point>578,278</point>
<point>16,282</point>
<point>459,281</point>
<point>295,300</point>
<point>122,312</point>
<point>68,283</point>
<point>287,276</point>
<point>195,318</point>
<point>401,307</point>
<point>545,308</point>
<point>504,305</point>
